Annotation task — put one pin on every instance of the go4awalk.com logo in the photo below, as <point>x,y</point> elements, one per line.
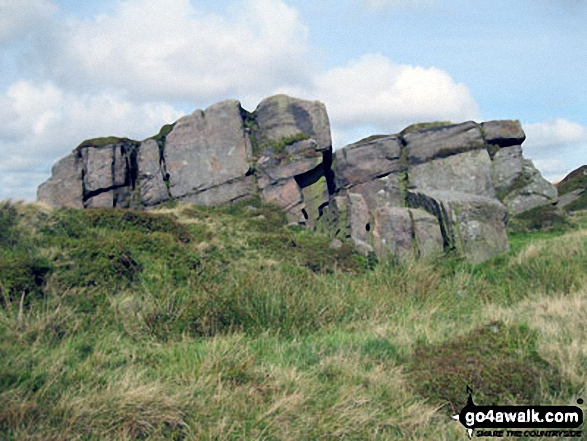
<point>518,421</point>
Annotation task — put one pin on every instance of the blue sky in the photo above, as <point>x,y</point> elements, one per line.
<point>72,70</point>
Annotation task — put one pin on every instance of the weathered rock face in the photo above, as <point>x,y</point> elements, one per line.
<point>519,185</point>
<point>442,187</point>
<point>425,191</point>
<point>152,174</point>
<point>442,142</point>
<point>281,116</point>
<point>367,160</point>
<point>64,187</point>
<point>213,156</point>
<point>207,156</point>
<point>291,141</point>
<point>108,173</point>
<point>418,193</point>
<point>508,164</point>
<point>529,190</point>
<point>472,225</point>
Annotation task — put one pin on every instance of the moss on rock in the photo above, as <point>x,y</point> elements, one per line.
<point>424,126</point>
<point>279,147</point>
<point>102,142</point>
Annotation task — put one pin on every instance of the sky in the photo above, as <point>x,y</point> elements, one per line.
<point>72,70</point>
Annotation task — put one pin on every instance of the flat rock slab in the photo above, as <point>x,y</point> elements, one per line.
<point>468,172</point>
<point>229,191</point>
<point>475,226</point>
<point>207,149</point>
<point>504,133</point>
<point>281,116</point>
<point>440,142</point>
<point>366,160</point>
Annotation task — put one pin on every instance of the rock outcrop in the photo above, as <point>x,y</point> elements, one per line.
<point>518,183</point>
<point>293,150</point>
<point>422,192</point>
<point>573,190</point>
<point>430,189</point>
<point>437,188</point>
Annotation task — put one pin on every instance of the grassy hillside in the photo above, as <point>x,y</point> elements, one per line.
<point>223,323</point>
<point>575,181</point>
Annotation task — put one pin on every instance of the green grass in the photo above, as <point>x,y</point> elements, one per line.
<point>424,126</point>
<point>223,323</point>
<point>575,180</point>
<point>371,138</point>
<point>278,147</point>
<point>543,218</point>
<point>165,130</point>
<point>104,141</point>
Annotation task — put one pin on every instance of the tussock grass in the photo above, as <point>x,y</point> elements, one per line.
<point>561,322</point>
<point>206,323</point>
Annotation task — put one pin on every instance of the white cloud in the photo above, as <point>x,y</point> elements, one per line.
<point>156,49</point>
<point>117,73</point>
<point>556,146</point>
<point>552,169</point>
<point>44,123</point>
<point>18,18</point>
<point>379,95</point>
<point>113,74</point>
<point>553,133</point>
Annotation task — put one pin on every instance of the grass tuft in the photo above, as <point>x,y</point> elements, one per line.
<point>499,362</point>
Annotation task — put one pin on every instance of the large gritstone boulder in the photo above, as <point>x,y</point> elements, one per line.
<point>292,145</point>
<point>442,141</point>
<point>416,194</point>
<point>530,190</point>
<point>472,225</point>
<point>206,155</point>
<point>64,187</point>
